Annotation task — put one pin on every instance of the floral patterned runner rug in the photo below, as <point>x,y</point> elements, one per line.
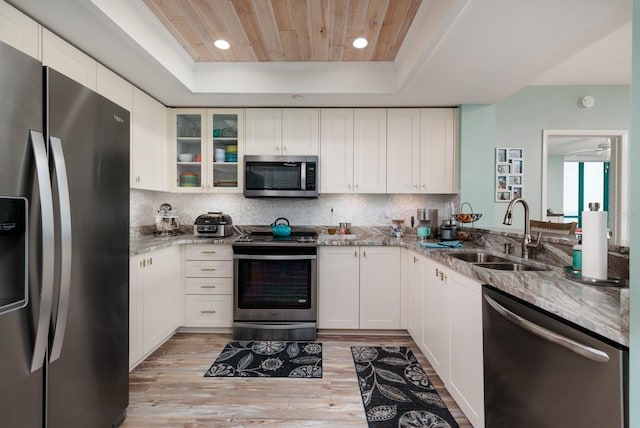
<point>395,390</point>
<point>268,359</point>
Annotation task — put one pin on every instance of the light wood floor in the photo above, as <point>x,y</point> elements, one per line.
<point>168,389</point>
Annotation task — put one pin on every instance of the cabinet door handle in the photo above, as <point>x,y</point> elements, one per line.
<point>355,254</point>
<point>207,312</point>
<point>150,261</point>
<point>207,286</point>
<point>284,148</point>
<point>364,254</point>
<point>207,269</point>
<point>142,263</point>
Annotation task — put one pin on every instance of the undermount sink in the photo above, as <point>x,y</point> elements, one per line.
<point>478,257</point>
<point>491,261</point>
<point>512,266</point>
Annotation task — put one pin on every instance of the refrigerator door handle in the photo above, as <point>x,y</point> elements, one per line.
<point>64,280</point>
<point>579,348</point>
<point>47,249</point>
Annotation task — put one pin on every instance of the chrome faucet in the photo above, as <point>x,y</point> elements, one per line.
<point>526,240</point>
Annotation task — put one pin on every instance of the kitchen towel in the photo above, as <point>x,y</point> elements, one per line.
<point>443,244</point>
<point>594,244</point>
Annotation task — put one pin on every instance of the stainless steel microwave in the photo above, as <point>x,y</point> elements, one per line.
<point>280,176</point>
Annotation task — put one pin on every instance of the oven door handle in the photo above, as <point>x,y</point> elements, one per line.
<point>274,257</point>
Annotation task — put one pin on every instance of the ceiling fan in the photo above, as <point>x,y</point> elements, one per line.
<point>600,149</point>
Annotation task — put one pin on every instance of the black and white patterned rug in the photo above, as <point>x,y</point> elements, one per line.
<point>395,390</point>
<point>268,359</point>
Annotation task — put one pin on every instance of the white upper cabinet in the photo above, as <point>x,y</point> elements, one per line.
<point>370,150</point>
<point>149,129</point>
<point>206,150</point>
<point>403,150</point>
<point>19,31</point>
<point>263,131</point>
<point>66,59</point>
<point>353,147</point>
<point>300,131</point>
<point>280,132</point>
<point>422,150</point>
<point>336,150</point>
<point>114,87</point>
<point>439,150</point>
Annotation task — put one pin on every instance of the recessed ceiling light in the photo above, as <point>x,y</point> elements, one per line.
<point>360,43</point>
<point>222,44</point>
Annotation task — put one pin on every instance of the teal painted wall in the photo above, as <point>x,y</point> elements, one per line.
<point>634,224</point>
<point>476,140</point>
<point>518,121</point>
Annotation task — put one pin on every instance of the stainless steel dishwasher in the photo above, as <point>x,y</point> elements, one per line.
<point>541,372</point>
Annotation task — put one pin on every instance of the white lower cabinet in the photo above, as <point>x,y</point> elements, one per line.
<point>435,309</point>
<point>415,265</point>
<point>208,286</point>
<point>466,380</point>
<point>445,320</point>
<point>338,287</point>
<point>359,287</point>
<point>154,287</point>
<point>380,287</point>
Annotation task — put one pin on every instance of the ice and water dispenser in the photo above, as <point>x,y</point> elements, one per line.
<point>13,247</point>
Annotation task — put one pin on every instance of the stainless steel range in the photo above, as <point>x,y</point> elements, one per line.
<point>275,286</point>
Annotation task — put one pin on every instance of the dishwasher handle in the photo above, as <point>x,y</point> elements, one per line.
<point>579,348</point>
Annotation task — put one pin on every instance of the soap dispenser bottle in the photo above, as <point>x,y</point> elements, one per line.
<point>577,256</point>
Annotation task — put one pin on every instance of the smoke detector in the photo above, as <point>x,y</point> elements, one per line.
<point>586,102</point>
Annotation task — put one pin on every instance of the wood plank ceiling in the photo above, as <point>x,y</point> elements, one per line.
<point>287,30</point>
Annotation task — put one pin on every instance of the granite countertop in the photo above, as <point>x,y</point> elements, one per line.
<point>602,310</point>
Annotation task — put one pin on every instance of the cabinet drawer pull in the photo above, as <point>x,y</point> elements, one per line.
<point>207,312</point>
<point>207,269</point>
<point>207,286</point>
<point>207,252</point>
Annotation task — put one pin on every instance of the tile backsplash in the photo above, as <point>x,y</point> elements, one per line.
<point>360,210</point>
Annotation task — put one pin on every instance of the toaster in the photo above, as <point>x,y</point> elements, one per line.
<point>213,224</point>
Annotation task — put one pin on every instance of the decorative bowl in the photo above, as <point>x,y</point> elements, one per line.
<point>467,217</point>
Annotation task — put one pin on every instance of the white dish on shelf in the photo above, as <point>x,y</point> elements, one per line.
<point>185,157</point>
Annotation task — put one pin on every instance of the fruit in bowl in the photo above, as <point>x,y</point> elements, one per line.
<point>467,218</point>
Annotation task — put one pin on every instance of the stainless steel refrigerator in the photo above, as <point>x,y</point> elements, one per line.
<point>64,248</point>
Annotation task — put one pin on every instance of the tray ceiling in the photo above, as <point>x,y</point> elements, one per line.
<point>287,30</point>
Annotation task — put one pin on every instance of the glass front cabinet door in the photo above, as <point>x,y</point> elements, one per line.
<point>208,150</point>
<point>225,143</point>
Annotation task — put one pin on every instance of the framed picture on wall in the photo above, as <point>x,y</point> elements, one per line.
<point>509,173</point>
